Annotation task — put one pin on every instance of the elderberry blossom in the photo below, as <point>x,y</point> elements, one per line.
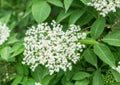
<point>117,68</point>
<point>4,33</point>
<point>52,47</point>
<point>105,6</point>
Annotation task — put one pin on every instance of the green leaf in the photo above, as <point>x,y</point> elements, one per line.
<point>27,13</point>
<point>12,25</point>
<point>30,82</point>
<point>16,46</point>
<point>69,74</point>
<point>82,82</point>
<point>18,51</point>
<point>56,2</point>
<point>66,82</point>
<point>17,80</point>
<point>104,53</point>
<point>98,27</point>
<point>47,79</point>
<point>80,75</point>
<point>90,57</point>
<point>40,73</point>
<point>76,15</point>
<point>97,78</point>
<point>67,4</point>
<point>116,75</point>
<point>40,10</point>
<point>57,78</point>
<point>12,39</point>
<point>85,1</point>
<point>116,83</point>
<point>85,18</point>
<point>26,70</point>
<point>25,81</point>
<point>112,38</point>
<point>19,69</point>
<point>69,83</point>
<point>5,53</point>
<point>6,18</point>
<point>92,12</point>
<point>37,74</point>
<point>116,26</point>
<point>63,16</point>
<point>89,41</point>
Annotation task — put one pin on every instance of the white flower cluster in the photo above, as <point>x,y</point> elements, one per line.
<point>52,47</point>
<point>4,33</point>
<point>117,68</point>
<point>38,83</point>
<point>105,6</point>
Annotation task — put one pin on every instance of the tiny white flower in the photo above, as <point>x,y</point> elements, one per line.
<point>117,68</point>
<point>4,33</point>
<point>105,6</point>
<point>38,83</point>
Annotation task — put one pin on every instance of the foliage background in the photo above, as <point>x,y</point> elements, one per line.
<point>101,54</point>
